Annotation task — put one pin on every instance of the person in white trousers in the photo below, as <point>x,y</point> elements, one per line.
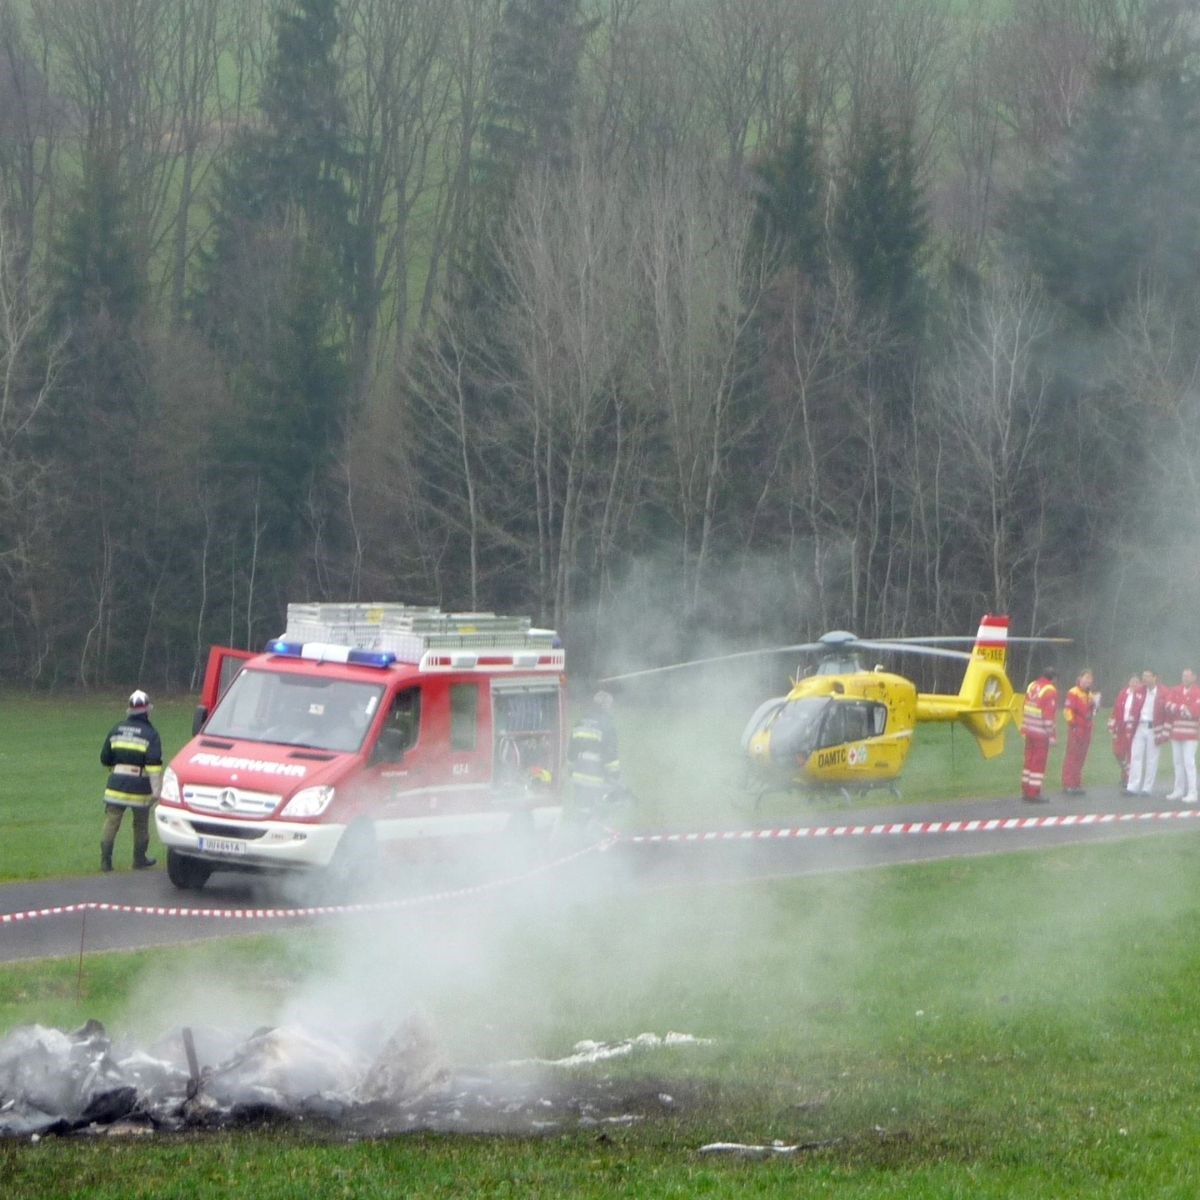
<point>1148,715</point>
<point>1183,711</point>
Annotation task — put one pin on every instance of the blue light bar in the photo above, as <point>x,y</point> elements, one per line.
<point>329,652</point>
<point>371,658</point>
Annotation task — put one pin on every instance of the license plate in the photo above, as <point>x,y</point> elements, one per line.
<point>221,845</point>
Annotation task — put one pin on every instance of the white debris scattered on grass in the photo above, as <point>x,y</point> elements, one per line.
<point>748,1150</point>
<point>587,1052</point>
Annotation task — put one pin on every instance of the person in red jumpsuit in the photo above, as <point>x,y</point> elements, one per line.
<point>1038,730</point>
<point>1183,709</point>
<point>1121,729</point>
<point>1079,711</point>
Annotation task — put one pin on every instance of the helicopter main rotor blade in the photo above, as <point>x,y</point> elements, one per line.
<point>966,639</point>
<point>908,648</point>
<point>703,662</point>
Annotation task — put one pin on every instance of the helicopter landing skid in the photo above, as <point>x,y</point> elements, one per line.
<point>755,793</point>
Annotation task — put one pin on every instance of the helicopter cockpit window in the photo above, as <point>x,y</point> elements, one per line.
<point>794,730</point>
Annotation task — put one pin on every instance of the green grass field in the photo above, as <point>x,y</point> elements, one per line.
<point>682,764</point>
<point>1023,1025</point>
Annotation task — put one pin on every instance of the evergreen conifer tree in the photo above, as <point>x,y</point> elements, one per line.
<point>1121,200</point>
<point>277,283</point>
<point>528,123</point>
<point>788,212</point>
<point>880,225</point>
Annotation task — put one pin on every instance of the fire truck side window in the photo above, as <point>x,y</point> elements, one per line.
<point>405,717</point>
<point>464,711</point>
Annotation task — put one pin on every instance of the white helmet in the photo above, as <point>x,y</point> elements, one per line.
<point>138,701</point>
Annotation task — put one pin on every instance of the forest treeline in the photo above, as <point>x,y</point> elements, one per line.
<point>672,323</point>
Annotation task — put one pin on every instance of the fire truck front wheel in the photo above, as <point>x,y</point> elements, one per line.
<point>186,873</point>
<point>354,867</point>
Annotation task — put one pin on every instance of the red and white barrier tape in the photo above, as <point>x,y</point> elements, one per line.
<point>974,825</point>
<point>317,910</point>
<point>890,828</point>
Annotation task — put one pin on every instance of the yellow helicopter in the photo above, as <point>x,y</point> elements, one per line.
<point>848,727</point>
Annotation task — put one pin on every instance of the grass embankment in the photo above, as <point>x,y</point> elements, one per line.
<point>1016,1026</point>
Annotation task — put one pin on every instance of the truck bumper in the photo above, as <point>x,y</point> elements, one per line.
<point>261,845</point>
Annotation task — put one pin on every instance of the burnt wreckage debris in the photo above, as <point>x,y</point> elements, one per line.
<point>57,1083</point>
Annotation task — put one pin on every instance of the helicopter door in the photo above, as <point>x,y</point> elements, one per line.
<point>851,721</point>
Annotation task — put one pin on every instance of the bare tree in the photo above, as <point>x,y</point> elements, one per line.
<point>702,281</point>
<point>399,96</point>
<point>568,329</point>
<point>966,200</point>
<point>28,369</point>
<point>990,406</point>
<point>740,55</point>
<point>895,55</point>
<point>196,40</point>
<point>31,121</point>
<point>141,79</point>
<point>466,62</point>
<point>814,350</point>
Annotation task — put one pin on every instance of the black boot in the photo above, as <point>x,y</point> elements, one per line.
<point>106,856</point>
<point>141,862</point>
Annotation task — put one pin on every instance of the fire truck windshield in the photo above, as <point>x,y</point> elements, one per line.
<point>296,710</point>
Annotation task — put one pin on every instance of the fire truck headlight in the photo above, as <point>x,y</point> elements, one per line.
<point>170,787</point>
<point>310,802</point>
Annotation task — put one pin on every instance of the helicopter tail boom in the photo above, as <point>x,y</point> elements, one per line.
<point>985,701</point>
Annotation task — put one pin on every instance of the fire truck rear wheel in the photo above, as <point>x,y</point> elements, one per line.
<point>187,874</point>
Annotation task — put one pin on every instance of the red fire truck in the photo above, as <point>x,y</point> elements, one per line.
<point>366,731</point>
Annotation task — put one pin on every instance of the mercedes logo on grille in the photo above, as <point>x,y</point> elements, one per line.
<point>228,799</point>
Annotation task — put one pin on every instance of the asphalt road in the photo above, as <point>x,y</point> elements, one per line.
<point>624,865</point>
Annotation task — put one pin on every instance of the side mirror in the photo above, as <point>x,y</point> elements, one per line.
<point>198,718</point>
<point>390,746</point>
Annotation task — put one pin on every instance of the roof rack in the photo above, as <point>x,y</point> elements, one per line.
<point>411,631</point>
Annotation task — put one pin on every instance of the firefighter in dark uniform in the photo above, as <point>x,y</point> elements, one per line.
<point>132,753</point>
<point>593,759</point>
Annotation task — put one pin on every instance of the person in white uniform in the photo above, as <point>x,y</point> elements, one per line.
<point>1146,711</point>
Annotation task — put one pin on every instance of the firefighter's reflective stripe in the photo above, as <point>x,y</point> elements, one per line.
<point>132,753</point>
<point>1037,717</point>
<point>128,799</point>
<point>590,742</point>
